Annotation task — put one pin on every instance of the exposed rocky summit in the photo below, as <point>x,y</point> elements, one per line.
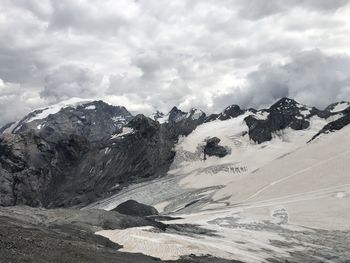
<point>94,120</point>
<point>181,123</point>
<point>132,207</point>
<point>232,111</point>
<point>285,113</point>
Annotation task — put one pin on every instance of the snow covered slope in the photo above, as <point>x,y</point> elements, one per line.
<point>283,198</point>
<point>43,113</point>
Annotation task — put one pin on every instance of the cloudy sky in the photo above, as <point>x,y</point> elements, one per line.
<point>153,54</point>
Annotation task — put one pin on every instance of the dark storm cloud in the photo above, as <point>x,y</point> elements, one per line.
<point>311,77</point>
<point>151,54</point>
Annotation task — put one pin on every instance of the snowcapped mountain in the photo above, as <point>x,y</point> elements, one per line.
<point>177,115</point>
<point>95,120</point>
<point>244,184</point>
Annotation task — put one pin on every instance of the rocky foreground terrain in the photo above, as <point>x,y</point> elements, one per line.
<point>244,185</point>
<point>67,235</point>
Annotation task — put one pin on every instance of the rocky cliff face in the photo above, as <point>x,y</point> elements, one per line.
<point>232,111</point>
<point>338,124</point>
<point>286,113</point>
<point>83,152</point>
<point>94,120</point>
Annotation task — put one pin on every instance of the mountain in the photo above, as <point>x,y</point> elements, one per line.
<point>94,120</point>
<point>231,111</point>
<point>75,152</point>
<point>251,185</point>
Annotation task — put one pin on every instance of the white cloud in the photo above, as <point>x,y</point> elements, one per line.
<point>154,54</point>
<point>16,100</point>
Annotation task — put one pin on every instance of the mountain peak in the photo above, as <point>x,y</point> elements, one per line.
<point>93,119</point>
<point>285,102</point>
<point>176,115</point>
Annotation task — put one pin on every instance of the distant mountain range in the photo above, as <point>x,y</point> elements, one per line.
<point>75,152</point>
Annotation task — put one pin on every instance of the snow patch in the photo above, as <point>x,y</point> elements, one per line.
<point>125,131</point>
<point>305,112</point>
<point>118,119</point>
<point>261,115</point>
<point>168,246</point>
<point>340,106</point>
<point>163,119</point>
<point>53,109</point>
<point>11,128</point>
<point>40,126</point>
<point>197,114</point>
<point>90,107</point>
<point>335,117</point>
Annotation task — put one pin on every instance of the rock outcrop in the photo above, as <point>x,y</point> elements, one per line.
<point>134,208</point>
<point>285,113</point>
<point>232,111</point>
<point>212,148</point>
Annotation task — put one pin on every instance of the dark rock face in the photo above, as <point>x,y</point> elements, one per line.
<point>81,154</point>
<point>212,148</point>
<point>95,121</point>
<point>212,117</point>
<point>287,113</point>
<point>181,123</point>
<point>131,207</point>
<point>176,115</point>
<point>143,125</point>
<point>230,112</point>
<point>178,122</point>
<point>335,125</point>
<point>32,169</point>
<point>75,171</point>
<point>283,114</point>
